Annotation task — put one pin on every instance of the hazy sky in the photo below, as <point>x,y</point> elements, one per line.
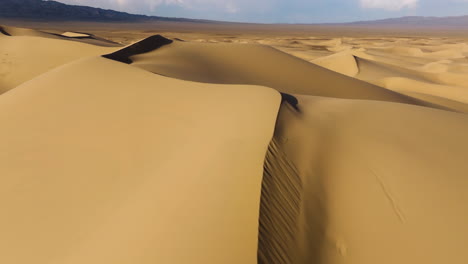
<point>284,11</point>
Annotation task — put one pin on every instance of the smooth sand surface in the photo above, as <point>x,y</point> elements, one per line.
<point>29,54</point>
<point>199,147</point>
<point>133,168</point>
<point>255,64</point>
<point>75,35</point>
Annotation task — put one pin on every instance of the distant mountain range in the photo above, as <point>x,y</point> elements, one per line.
<point>419,21</point>
<point>52,10</point>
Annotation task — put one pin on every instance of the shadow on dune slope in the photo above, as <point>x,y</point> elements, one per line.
<point>291,100</point>
<point>279,208</point>
<point>3,31</point>
<point>147,45</point>
<point>293,212</point>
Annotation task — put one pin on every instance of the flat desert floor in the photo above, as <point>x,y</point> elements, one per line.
<point>168,143</point>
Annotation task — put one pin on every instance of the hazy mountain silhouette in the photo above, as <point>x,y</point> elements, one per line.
<point>52,10</point>
<point>419,21</point>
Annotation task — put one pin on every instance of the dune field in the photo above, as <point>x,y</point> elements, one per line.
<point>181,147</point>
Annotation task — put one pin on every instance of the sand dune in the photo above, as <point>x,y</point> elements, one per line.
<point>427,70</point>
<point>432,72</point>
<point>15,31</point>
<point>341,62</point>
<point>377,181</point>
<point>144,46</point>
<point>259,65</point>
<point>75,35</point>
<point>227,149</point>
<point>136,168</point>
<point>27,54</point>
<point>440,85</point>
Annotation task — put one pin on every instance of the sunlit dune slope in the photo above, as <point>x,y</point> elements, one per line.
<point>167,151</point>
<point>341,62</point>
<point>102,162</point>
<point>27,56</point>
<point>77,35</point>
<point>73,36</point>
<point>259,65</point>
<point>432,70</point>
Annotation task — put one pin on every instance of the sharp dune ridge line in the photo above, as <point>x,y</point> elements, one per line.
<point>199,148</point>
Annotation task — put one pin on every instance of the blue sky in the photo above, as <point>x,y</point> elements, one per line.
<point>284,11</point>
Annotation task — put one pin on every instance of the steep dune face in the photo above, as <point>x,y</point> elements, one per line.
<point>105,163</point>
<point>280,208</point>
<point>381,182</point>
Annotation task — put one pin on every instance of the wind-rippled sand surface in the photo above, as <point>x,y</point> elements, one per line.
<point>122,147</point>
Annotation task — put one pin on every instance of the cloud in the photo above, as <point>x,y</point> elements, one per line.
<point>393,5</point>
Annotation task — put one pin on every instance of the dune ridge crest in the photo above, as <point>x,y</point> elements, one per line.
<point>258,65</point>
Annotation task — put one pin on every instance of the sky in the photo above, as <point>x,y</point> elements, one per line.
<point>284,11</point>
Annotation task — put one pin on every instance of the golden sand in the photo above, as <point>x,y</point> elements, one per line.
<point>232,148</point>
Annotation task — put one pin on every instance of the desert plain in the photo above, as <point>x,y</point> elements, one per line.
<point>211,143</point>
